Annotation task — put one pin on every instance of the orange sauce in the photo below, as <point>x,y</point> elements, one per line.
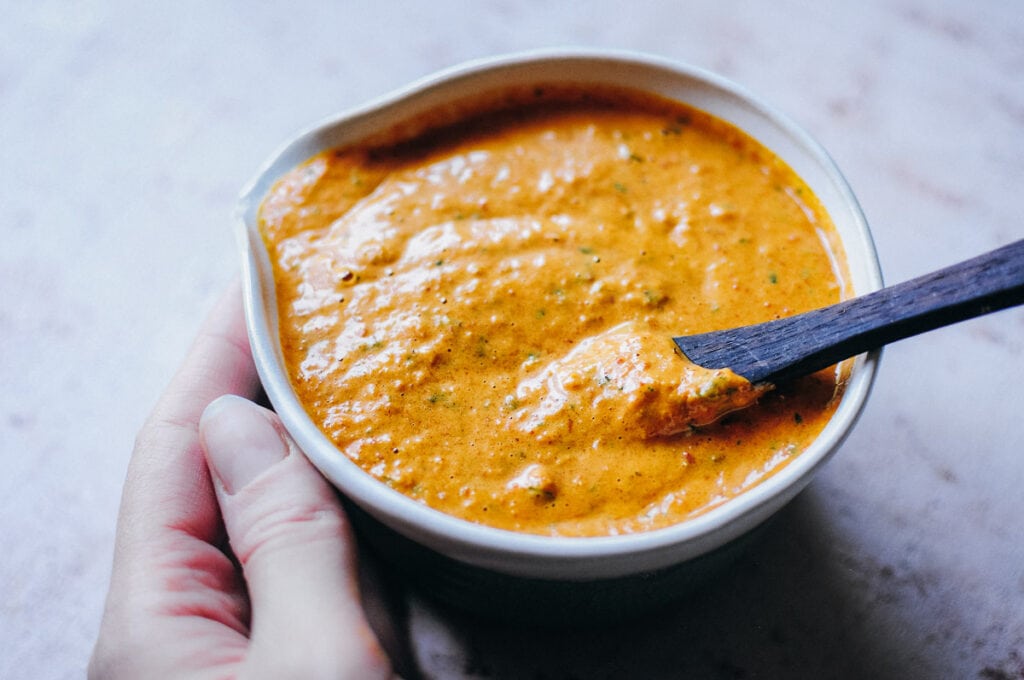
<point>481,316</point>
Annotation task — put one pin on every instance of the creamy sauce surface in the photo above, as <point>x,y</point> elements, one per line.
<point>482,317</point>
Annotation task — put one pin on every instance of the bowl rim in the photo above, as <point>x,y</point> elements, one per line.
<point>501,549</point>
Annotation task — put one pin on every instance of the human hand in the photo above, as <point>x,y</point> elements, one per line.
<point>246,573</point>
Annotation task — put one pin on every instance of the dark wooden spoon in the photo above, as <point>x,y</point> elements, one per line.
<point>778,350</point>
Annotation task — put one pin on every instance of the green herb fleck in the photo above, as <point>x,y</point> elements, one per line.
<point>653,298</point>
<point>773,278</point>
<point>715,388</point>
<point>620,187</point>
<point>542,494</point>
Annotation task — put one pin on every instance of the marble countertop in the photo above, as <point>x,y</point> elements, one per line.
<point>128,129</point>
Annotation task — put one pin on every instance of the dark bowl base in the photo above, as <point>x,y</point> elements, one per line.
<point>534,601</point>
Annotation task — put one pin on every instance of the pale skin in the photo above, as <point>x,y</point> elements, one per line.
<point>233,557</point>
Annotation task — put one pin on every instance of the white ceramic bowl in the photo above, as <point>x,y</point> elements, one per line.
<point>465,562</point>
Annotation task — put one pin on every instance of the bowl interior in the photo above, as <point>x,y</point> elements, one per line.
<point>541,556</point>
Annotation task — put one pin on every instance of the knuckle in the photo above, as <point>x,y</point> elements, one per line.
<point>272,530</point>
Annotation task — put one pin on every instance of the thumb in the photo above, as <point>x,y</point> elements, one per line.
<point>293,541</point>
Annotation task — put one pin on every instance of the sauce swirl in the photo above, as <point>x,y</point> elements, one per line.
<point>481,316</point>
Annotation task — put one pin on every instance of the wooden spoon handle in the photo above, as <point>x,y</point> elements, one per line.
<point>786,348</point>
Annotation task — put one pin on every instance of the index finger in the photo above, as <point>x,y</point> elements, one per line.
<point>168,485</point>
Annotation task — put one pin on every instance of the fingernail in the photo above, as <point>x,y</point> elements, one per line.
<point>240,441</point>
